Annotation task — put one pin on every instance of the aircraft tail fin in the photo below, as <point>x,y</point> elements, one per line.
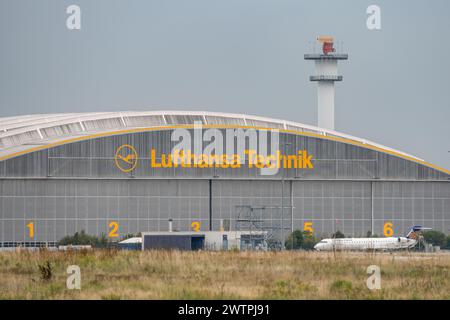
<point>414,232</point>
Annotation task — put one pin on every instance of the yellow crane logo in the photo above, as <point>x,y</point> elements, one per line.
<point>126,158</point>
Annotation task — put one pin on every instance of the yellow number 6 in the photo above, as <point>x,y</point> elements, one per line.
<point>387,229</point>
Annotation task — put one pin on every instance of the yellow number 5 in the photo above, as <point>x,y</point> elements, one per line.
<point>308,227</point>
<point>114,226</point>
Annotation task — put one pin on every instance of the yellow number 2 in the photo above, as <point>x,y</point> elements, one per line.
<point>195,225</point>
<point>30,227</point>
<point>114,226</point>
<point>387,229</point>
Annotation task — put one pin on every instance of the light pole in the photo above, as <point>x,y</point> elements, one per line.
<point>282,196</point>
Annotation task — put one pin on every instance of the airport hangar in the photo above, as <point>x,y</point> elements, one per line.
<point>59,175</point>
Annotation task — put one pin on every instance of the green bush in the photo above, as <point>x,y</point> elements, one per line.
<point>300,240</point>
<point>338,235</point>
<point>342,287</point>
<point>447,245</point>
<point>309,241</point>
<point>130,235</point>
<point>370,235</point>
<point>434,237</point>
<point>82,239</point>
<point>295,240</point>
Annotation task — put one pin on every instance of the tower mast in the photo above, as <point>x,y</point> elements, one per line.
<point>326,75</point>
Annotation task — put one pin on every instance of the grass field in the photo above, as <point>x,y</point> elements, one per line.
<point>111,274</point>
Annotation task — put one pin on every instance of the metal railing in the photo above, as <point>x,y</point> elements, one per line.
<point>326,78</point>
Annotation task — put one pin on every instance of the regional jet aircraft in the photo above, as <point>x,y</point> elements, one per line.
<point>389,243</point>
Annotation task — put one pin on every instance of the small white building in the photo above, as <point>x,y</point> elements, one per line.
<point>134,243</point>
<point>205,240</point>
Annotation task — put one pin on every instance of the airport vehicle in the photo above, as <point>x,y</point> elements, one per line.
<point>361,244</point>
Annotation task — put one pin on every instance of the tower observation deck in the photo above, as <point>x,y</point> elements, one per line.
<point>326,75</point>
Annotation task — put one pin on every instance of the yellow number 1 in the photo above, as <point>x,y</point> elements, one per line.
<point>30,227</point>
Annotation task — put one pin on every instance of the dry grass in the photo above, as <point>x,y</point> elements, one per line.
<point>107,274</point>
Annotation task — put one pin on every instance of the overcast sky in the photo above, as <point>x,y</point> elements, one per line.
<point>242,56</point>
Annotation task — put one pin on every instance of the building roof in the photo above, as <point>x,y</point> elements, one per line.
<point>24,134</point>
<point>132,240</point>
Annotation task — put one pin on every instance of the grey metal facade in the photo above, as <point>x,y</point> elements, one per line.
<point>77,186</point>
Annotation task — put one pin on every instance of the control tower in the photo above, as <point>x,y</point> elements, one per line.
<point>326,75</point>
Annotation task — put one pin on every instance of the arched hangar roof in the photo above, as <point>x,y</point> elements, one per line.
<point>24,134</point>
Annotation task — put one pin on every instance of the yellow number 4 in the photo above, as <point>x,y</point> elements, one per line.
<point>114,226</point>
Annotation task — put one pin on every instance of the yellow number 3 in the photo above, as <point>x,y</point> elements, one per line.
<point>114,226</point>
